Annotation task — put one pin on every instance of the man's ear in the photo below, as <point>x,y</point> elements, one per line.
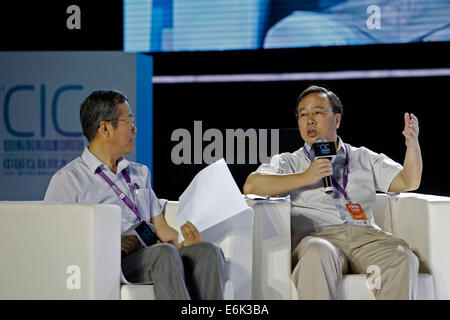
<point>338,120</point>
<point>103,129</point>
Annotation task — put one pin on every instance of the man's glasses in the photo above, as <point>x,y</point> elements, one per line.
<point>130,120</point>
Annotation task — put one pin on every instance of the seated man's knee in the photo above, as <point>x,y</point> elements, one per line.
<point>318,249</point>
<point>209,249</point>
<point>166,250</point>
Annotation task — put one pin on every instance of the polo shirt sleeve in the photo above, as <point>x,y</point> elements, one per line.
<point>278,164</point>
<point>384,170</point>
<point>157,206</point>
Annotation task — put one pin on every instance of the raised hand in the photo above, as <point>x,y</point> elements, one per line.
<point>411,130</point>
<point>409,178</point>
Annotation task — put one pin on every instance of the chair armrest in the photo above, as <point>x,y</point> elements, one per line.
<point>382,212</point>
<point>423,221</point>
<point>40,241</point>
<point>235,237</point>
<point>271,249</point>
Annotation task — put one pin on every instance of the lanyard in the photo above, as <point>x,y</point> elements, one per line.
<point>336,184</point>
<point>119,192</point>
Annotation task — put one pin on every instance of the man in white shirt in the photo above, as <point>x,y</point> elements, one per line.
<point>335,233</point>
<point>190,269</point>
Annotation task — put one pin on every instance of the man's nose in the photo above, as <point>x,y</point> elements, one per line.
<point>311,119</point>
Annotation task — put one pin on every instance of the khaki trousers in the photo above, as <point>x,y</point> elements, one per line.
<point>320,260</point>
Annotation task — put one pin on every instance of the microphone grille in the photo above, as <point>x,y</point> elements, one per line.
<point>321,139</point>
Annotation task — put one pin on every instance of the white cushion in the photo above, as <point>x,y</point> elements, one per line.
<point>137,292</point>
<point>355,287</point>
<point>147,292</point>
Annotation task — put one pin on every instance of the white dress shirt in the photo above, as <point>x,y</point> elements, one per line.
<point>78,182</point>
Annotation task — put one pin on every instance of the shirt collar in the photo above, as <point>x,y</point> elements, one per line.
<point>341,154</point>
<point>341,149</point>
<point>93,162</point>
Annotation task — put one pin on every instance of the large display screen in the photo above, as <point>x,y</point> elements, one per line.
<point>197,25</point>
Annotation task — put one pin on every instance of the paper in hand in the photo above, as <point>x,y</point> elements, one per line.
<point>210,198</point>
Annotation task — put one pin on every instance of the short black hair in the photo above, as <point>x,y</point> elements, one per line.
<point>100,105</point>
<point>335,102</point>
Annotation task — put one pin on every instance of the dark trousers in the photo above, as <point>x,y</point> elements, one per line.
<point>194,272</point>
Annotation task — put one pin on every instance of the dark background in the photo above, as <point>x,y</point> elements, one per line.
<point>373,108</point>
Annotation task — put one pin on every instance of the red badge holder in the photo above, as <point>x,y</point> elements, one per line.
<point>356,211</point>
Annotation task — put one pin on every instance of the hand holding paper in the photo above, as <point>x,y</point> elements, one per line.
<point>190,234</point>
<point>212,197</point>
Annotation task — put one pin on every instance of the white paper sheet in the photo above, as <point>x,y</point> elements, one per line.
<point>211,198</point>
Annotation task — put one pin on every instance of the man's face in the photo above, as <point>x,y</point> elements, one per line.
<point>316,118</point>
<point>124,135</point>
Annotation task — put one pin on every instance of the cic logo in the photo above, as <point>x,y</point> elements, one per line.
<point>324,149</point>
<point>41,96</point>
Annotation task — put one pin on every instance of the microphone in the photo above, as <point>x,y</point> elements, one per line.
<point>325,149</point>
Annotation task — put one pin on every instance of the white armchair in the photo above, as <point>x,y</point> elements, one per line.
<point>421,220</point>
<point>59,250</point>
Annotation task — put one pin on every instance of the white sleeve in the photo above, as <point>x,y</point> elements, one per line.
<point>278,164</point>
<point>384,170</point>
<point>157,206</point>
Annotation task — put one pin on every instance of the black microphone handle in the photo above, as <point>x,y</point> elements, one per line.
<point>327,184</point>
